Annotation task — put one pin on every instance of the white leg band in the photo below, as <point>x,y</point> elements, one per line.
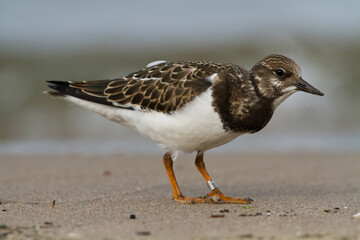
<point>211,184</point>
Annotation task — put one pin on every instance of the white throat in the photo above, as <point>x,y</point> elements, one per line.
<point>288,91</point>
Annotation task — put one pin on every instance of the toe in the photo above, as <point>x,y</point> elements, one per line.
<point>189,200</point>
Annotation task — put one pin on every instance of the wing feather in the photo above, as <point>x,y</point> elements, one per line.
<point>164,87</point>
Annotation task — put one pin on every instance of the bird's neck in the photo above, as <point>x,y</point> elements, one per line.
<point>240,105</point>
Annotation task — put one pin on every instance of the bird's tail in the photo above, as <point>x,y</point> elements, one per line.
<point>92,91</point>
<point>59,87</point>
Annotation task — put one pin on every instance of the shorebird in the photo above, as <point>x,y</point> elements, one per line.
<point>191,106</point>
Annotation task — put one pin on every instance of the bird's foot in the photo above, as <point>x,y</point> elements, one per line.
<point>190,200</point>
<point>216,196</point>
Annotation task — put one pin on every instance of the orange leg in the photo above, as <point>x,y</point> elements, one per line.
<point>215,195</point>
<point>168,162</point>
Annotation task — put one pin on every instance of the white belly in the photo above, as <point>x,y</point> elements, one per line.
<point>195,127</point>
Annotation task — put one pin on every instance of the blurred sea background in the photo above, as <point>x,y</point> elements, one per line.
<point>90,40</point>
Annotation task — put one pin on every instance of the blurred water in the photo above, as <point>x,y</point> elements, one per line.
<point>244,144</point>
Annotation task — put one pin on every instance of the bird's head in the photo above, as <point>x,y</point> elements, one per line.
<point>277,77</point>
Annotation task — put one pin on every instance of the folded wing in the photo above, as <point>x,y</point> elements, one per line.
<point>165,87</point>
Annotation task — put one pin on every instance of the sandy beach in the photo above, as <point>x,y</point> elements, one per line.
<point>296,196</point>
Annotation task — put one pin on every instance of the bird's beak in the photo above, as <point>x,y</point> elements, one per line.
<point>302,85</point>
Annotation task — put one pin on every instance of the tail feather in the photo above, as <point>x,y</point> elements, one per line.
<point>76,89</point>
<point>54,94</point>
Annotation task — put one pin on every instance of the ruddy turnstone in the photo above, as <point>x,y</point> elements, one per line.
<point>191,106</point>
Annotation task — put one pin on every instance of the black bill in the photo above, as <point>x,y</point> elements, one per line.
<point>302,85</point>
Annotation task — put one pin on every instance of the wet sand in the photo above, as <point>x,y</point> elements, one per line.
<point>296,196</point>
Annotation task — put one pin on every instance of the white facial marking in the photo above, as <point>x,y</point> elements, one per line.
<point>288,89</point>
<point>155,63</point>
<point>275,82</point>
<point>261,90</point>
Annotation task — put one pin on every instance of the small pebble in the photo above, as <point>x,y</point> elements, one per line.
<point>4,210</point>
<point>217,216</point>
<point>224,211</point>
<point>357,215</point>
<point>249,235</point>
<point>337,208</point>
<point>327,210</point>
<point>48,223</point>
<point>132,216</point>
<point>143,233</point>
<point>250,215</point>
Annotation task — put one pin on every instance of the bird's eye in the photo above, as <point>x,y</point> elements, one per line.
<point>279,72</point>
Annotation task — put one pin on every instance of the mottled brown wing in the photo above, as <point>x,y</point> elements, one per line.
<point>165,87</point>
